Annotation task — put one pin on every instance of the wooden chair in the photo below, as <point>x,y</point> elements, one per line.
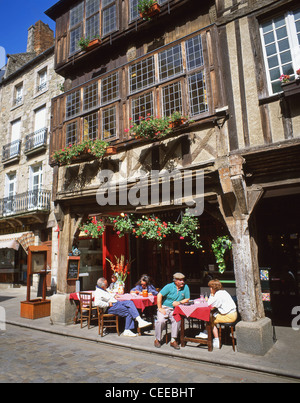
<point>227,327</point>
<point>107,320</point>
<point>86,307</point>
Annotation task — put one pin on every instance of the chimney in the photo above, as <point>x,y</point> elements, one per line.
<point>40,38</point>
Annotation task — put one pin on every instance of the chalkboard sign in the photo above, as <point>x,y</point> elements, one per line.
<point>73,268</point>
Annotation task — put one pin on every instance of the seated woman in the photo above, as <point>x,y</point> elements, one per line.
<point>144,283</point>
<point>225,309</point>
<point>114,285</point>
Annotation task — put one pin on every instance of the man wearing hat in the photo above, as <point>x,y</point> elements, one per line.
<point>168,298</point>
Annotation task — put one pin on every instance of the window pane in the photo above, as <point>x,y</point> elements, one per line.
<point>142,106</point>
<point>90,127</point>
<point>109,20</point>
<point>285,57</point>
<point>142,74</point>
<point>76,14</point>
<point>71,134</point>
<point>92,6</point>
<point>92,27</point>
<point>271,49</point>
<point>281,33</point>
<point>75,36</point>
<point>170,62</point>
<point>110,88</point>
<point>172,101</point>
<point>73,104</point>
<point>275,73</point>
<point>194,53</point>
<point>109,123</point>
<point>197,94</point>
<point>90,96</point>
<point>134,13</point>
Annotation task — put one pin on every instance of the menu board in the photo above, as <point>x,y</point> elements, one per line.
<point>38,262</point>
<point>73,268</point>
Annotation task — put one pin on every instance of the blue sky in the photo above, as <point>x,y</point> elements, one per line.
<point>16,16</point>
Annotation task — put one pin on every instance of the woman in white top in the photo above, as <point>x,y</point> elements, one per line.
<point>226,312</point>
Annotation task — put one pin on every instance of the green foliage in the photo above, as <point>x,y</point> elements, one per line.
<point>219,247</point>
<point>94,228</point>
<point>145,5</point>
<point>187,229</point>
<point>150,128</point>
<point>95,148</point>
<point>154,229</point>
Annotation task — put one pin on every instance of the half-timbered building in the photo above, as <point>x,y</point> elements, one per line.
<point>219,64</point>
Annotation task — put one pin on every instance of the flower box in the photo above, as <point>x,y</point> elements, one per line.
<point>291,88</point>
<point>94,43</point>
<point>111,150</point>
<point>177,123</point>
<point>151,12</point>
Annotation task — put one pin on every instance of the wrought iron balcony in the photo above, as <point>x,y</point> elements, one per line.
<point>34,200</point>
<point>35,141</point>
<point>11,151</point>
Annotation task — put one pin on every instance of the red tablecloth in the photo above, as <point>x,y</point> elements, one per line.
<point>139,301</point>
<point>197,311</point>
<point>75,295</point>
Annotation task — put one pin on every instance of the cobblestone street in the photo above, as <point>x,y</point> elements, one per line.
<point>28,356</point>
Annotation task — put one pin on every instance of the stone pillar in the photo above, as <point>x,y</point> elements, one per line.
<point>236,204</point>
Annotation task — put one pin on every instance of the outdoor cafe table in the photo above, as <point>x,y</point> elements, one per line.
<point>199,311</point>
<point>139,301</point>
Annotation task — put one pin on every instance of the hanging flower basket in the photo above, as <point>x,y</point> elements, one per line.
<point>94,228</point>
<point>154,229</point>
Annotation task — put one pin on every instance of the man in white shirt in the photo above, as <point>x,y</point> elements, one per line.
<point>125,309</point>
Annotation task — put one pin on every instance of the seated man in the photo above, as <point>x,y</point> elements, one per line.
<point>125,309</point>
<point>168,298</point>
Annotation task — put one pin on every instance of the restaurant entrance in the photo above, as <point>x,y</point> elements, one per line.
<point>278,222</point>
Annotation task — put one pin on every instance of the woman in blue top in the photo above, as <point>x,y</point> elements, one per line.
<point>144,284</point>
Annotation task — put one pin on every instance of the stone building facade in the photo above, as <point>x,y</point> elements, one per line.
<point>26,206</point>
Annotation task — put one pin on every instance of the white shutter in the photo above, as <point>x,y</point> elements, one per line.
<point>40,119</point>
<point>16,130</point>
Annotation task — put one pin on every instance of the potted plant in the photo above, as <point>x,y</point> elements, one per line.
<point>148,9</point>
<point>219,247</point>
<point>94,42</point>
<point>176,120</point>
<point>88,43</point>
<point>149,128</point>
<point>290,85</point>
<point>88,148</point>
<point>83,43</point>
